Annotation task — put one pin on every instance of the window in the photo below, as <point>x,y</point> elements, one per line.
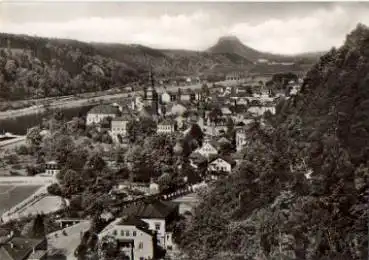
<point>157,226</point>
<point>134,233</point>
<point>122,233</point>
<point>141,258</point>
<point>140,245</point>
<point>127,233</point>
<point>115,232</point>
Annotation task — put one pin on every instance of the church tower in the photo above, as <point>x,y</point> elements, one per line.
<point>150,95</point>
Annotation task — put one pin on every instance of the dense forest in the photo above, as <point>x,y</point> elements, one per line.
<point>34,67</point>
<point>300,192</point>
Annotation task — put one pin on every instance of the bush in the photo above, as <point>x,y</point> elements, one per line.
<point>11,159</point>
<point>16,167</point>
<point>22,150</point>
<point>54,189</point>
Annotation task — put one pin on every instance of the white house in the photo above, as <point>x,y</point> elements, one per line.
<point>240,139</point>
<point>165,97</point>
<point>98,113</point>
<point>208,148</point>
<point>160,216</point>
<point>119,126</point>
<point>52,168</point>
<point>221,165</point>
<point>260,110</point>
<point>177,109</point>
<point>132,236</point>
<point>167,126</point>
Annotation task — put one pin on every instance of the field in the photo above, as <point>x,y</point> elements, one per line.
<point>12,195</point>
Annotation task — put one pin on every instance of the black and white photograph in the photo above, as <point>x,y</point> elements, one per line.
<point>133,130</point>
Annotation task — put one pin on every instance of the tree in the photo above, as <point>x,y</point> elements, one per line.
<point>34,137</point>
<point>54,189</point>
<point>96,163</point>
<point>72,181</point>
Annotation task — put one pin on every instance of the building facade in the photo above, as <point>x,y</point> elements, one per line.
<point>97,114</point>
<point>240,139</point>
<point>119,126</point>
<point>132,236</point>
<point>167,127</point>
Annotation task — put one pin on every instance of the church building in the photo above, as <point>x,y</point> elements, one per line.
<point>151,98</point>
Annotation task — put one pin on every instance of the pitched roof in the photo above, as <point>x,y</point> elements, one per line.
<point>223,140</point>
<point>167,121</point>
<point>147,111</point>
<point>133,221</point>
<point>22,247</point>
<point>224,158</point>
<point>197,157</point>
<point>123,118</point>
<point>156,209</point>
<point>104,109</point>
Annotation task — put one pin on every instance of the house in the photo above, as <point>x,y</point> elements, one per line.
<point>52,168</point>
<point>240,138</point>
<point>160,217</point>
<point>98,113</point>
<point>223,141</point>
<point>226,111</point>
<point>260,110</point>
<point>177,109</point>
<point>165,98</point>
<point>221,164</point>
<point>208,148</point>
<point>167,126</point>
<point>235,76</point>
<point>137,102</point>
<point>119,126</point>
<point>20,248</point>
<point>133,237</point>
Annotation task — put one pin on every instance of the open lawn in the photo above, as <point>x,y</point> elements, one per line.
<point>12,195</point>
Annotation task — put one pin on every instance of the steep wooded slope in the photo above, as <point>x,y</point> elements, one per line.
<point>300,191</point>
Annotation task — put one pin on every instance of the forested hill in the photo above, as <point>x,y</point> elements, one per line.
<point>35,67</point>
<point>300,191</point>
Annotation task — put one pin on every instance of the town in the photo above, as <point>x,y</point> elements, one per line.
<point>147,158</point>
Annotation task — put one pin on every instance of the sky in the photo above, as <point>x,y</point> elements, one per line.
<point>284,28</point>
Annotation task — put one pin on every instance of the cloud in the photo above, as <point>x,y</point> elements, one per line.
<point>318,30</point>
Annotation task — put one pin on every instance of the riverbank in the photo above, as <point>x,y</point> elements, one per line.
<point>74,102</point>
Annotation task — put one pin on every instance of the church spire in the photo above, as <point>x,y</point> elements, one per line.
<point>151,77</point>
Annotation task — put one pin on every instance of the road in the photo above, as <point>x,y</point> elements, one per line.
<point>67,244</point>
<point>69,102</point>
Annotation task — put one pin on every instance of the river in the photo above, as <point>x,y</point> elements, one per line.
<point>19,125</point>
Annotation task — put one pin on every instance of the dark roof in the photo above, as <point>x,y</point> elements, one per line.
<point>167,121</point>
<point>147,111</point>
<point>133,221</point>
<point>22,247</point>
<point>123,118</point>
<point>104,109</point>
<point>156,209</point>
